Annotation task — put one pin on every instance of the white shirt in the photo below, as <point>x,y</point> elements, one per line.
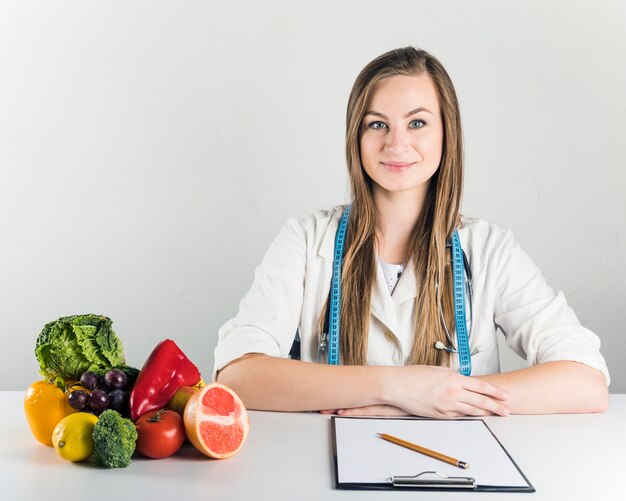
<point>392,273</point>
<point>292,283</point>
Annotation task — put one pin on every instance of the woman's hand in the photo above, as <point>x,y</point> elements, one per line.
<point>368,410</point>
<point>442,393</point>
<point>435,392</point>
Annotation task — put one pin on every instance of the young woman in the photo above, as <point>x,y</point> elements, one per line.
<point>397,345</point>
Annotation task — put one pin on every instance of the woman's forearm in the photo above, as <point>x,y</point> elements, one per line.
<point>270,383</point>
<point>553,388</point>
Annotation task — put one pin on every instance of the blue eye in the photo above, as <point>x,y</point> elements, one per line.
<point>377,125</point>
<point>417,124</point>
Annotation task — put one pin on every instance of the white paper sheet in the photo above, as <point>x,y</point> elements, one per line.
<point>365,458</point>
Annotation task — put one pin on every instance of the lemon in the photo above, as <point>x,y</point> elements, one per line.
<point>72,438</point>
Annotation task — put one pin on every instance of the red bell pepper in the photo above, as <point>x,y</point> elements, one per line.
<point>166,370</point>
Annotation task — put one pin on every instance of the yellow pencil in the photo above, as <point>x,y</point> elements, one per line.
<point>425,451</point>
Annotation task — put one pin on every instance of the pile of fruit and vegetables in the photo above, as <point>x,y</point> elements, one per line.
<point>92,404</point>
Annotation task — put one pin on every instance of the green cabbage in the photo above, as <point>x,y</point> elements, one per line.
<point>72,345</point>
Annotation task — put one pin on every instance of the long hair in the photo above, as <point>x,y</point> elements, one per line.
<point>437,220</point>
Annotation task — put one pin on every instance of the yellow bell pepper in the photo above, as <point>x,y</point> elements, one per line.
<point>45,405</point>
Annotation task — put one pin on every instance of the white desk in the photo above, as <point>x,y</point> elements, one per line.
<point>289,456</point>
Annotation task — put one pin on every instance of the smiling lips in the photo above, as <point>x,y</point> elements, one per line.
<point>397,166</point>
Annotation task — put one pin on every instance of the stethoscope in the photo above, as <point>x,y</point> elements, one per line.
<point>462,284</point>
<point>467,270</point>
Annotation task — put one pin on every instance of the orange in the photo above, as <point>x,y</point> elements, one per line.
<point>216,421</point>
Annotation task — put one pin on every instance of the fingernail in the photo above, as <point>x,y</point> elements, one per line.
<point>339,411</point>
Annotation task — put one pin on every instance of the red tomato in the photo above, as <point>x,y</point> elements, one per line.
<point>159,433</point>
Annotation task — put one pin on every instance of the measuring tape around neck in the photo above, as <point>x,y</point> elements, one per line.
<point>334,318</point>
<point>335,290</point>
<point>458,283</point>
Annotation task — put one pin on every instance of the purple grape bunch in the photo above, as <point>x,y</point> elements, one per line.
<point>105,393</point>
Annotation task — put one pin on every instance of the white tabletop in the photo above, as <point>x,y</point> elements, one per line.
<point>289,456</point>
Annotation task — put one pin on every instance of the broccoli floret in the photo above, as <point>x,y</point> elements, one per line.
<point>114,440</point>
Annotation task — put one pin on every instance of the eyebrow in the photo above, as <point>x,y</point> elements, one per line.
<point>412,112</point>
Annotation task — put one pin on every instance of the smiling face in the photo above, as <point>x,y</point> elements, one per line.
<point>402,135</point>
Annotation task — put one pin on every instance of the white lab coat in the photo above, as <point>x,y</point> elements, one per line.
<point>292,284</point>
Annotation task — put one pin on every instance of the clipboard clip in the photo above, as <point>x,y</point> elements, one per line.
<point>433,480</point>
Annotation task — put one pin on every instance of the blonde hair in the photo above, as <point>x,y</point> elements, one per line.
<point>438,218</point>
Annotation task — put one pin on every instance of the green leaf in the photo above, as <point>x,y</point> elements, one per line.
<point>72,345</point>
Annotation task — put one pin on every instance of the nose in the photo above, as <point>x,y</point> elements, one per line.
<point>396,141</point>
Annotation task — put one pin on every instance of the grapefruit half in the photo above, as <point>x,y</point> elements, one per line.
<point>216,421</point>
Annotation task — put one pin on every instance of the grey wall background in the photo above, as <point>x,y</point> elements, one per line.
<point>150,150</point>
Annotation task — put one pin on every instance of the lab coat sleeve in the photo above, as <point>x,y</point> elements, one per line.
<point>537,323</point>
<point>270,311</point>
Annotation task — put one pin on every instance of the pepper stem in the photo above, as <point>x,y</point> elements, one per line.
<point>59,382</point>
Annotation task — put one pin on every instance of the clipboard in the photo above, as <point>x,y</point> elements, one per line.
<point>364,461</point>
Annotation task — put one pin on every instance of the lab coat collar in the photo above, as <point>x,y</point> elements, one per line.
<point>384,304</point>
<point>327,245</point>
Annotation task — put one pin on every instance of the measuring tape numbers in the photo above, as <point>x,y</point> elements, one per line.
<point>458,284</point>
